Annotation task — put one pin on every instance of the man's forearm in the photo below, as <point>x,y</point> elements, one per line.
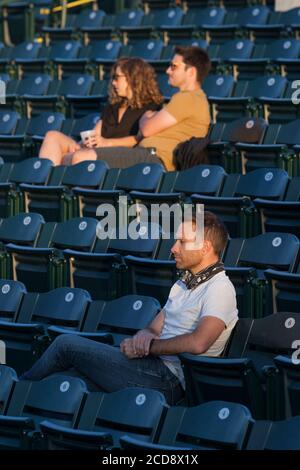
<point>186,343</point>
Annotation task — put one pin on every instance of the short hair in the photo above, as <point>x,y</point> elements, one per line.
<point>214,231</point>
<point>196,57</point>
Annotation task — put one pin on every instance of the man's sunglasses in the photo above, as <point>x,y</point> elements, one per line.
<point>173,66</point>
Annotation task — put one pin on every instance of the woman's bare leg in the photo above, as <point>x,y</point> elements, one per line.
<point>56,145</point>
<point>83,155</point>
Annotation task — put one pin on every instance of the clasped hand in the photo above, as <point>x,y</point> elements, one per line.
<point>138,346</point>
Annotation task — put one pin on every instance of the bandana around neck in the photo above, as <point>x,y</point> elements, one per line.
<point>194,280</point>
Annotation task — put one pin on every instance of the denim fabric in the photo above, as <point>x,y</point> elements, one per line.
<point>105,366</point>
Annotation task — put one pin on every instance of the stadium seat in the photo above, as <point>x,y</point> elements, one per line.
<point>118,23</point>
<point>237,209</point>
<point>250,130</point>
<point>57,202</point>
<point>21,93</point>
<point>42,267</point>
<point>59,397</point>
<point>58,94</point>
<point>11,297</point>
<point>8,379</point>
<point>275,150</point>
<point>217,425</point>
<point>285,384</point>
<point>104,272</point>
<point>246,261</point>
<point>119,318</point>
<point>24,139</point>
<point>239,377</point>
<point>142,176</point>
<point>26,337</point>
<point>283,290</point>
<point>246,97</point>
<point>137,412</point>
<point>31,171</point>
<point>74,23</point>
<point>281,215</point>
<point>275,435</point>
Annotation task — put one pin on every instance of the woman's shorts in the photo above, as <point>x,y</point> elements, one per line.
<point>123,157</point>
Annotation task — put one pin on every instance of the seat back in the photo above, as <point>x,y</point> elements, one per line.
<point>58,398</point>
<point>267,183</point>
<point>85,123</point>
<point>8,122</point>
<point>104,49</point>
<point>78,233</point>
<point>288,379</point>
<point>23,228</point>
<point>25,50</point>
<point>87,173</point>
<point>143,177</point>
<point>248,130</point>
<point>287,48</point>
<point>31,170</point>
<point>8,379</point>
<point>277,250</point>
<point>76,84</point>
<point>41,124</point>
<point>147,49</point>
<point>140,239</point>
<point>11,297</point>
<point>256,15</point>
<point>271,87</point>
<point>124,316</point>
<point>236,49</point>
<point>34,84</point>
<point>203,179</point>
<point>133,411</point>
<point>289,134</point>
<point>62,306</point>
<point>220,86</point>
<point>212,425</point>
<point>64,50</point>
<point>211,16</point>
<point>89,18</point>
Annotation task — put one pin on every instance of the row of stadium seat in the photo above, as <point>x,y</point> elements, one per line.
<point>239,146</point>
<point>217,22</point>
<point>77,253</point>
<point>30,321</point>
<point>77,95</point>
<point>244,57</point>
<point>133,418</point>
<point>259,201</point>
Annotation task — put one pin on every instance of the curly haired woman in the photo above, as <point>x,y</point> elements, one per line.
<point>133,91</point>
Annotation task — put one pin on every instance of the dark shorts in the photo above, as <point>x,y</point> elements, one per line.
<point>123,157</point>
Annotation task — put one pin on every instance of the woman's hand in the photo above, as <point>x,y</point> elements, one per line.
<point>94,141</point>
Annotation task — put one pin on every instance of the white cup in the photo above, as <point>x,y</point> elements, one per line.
<point>86,134</point>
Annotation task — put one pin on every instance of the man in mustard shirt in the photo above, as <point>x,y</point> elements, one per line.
<point>187,114</point>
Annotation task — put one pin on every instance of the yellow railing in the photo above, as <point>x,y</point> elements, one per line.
<point>72,4</point>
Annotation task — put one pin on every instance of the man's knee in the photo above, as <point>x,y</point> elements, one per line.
<point>66,339</point>
<point>83,155</point>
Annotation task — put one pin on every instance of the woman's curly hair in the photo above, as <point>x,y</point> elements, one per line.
<point>141,78</point>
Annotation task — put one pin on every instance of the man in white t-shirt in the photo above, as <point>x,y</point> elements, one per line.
<point>198,318</point>
<point>200,313</point>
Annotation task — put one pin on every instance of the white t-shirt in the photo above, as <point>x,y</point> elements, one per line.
<point>185,307</point>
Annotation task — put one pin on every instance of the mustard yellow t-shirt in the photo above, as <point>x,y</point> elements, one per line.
<point>191,110</point>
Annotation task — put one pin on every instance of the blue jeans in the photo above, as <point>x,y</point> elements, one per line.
<point>106,366</point>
